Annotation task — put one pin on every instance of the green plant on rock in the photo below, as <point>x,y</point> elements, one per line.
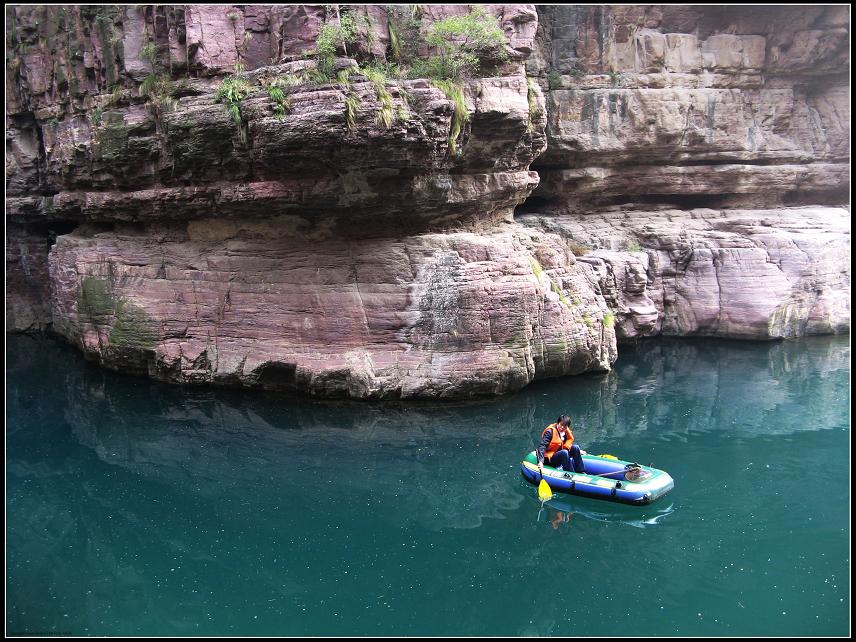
<point>150,53</point>
<point>352,103</point>
<point>366,23</point>
<point>454,92</point>
<point>557,290</point>
<point>281,102</point>
<point>554,80</point>
<point>282,80</point>
<point>158,91</point>
<point>115,95</point>
<point>315,76</point>
<point>332,36</point>
<point>289,80</point>
<point>133,328</point>
<point>406,96</point>
<point>534,110</point>
<point>94,300</point>
<point>394,43</point>
<point>100,304</point>
<point>632,246</point>
<point>404,26</point>
<point>465,43</point>
<point>95,116</point>
<point>536,267</point>
<point>387,113</point>
<point>343,79</point>
<point>231,92</point>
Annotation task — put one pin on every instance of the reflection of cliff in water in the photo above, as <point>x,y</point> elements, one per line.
<point>218,446</point>
<point>239,489</point>
<point>449,463</point>
<point>216,443</point>
<point>746,388</point>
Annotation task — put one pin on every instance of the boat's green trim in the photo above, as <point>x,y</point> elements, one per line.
<point>531,462</point>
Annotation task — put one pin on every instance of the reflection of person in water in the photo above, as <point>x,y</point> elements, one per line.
<point>559,518</point>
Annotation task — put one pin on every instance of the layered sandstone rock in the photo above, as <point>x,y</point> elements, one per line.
<point>310,164</point>
<point>675,102</point>
<point>255,302</point>
<point>750,274</point>
<point>693,166</point>
<point>696,154</point>
<point>324,251</point>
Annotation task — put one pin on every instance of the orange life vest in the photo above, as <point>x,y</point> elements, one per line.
<point>556,444</point>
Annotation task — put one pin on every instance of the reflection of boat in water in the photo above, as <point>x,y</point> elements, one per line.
<point>614,514</point>
<point>605,478</point>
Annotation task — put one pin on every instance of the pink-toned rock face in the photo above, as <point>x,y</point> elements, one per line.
<point>328,251</point>
<point>255,303</point>
<point>213,33</point>
<point>695,101</point>
<point>324,251</point>
<point>195,164</point>
<point>750,274</point>
<point>657,112</point>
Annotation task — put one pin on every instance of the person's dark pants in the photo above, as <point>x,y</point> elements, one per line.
<point>572,461</point>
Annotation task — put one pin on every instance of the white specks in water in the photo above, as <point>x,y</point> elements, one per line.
<point>237,562</point>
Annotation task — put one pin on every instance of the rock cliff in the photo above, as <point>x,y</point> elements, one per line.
<point>323,250</point>
<point>672,170</point>
<point>699,157</point>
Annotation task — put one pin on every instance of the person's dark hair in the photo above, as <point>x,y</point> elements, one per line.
<point>564,420</point>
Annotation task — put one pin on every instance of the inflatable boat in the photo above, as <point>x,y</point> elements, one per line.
<point>606,477</point>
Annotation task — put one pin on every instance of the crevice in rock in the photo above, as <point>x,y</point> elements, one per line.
<point>532,205</point>
<point>57,228</point>
<point>276,376</point>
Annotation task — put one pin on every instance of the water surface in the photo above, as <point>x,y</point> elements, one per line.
<point>138,508</point>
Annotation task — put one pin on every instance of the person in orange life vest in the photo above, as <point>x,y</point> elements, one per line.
<point>557,447</point>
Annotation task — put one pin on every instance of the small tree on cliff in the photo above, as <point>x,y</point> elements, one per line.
<point>464,45</point>
<point>333,35</point>
<point>157,88</point>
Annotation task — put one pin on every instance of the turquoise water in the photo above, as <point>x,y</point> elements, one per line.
<point>137,508</point>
